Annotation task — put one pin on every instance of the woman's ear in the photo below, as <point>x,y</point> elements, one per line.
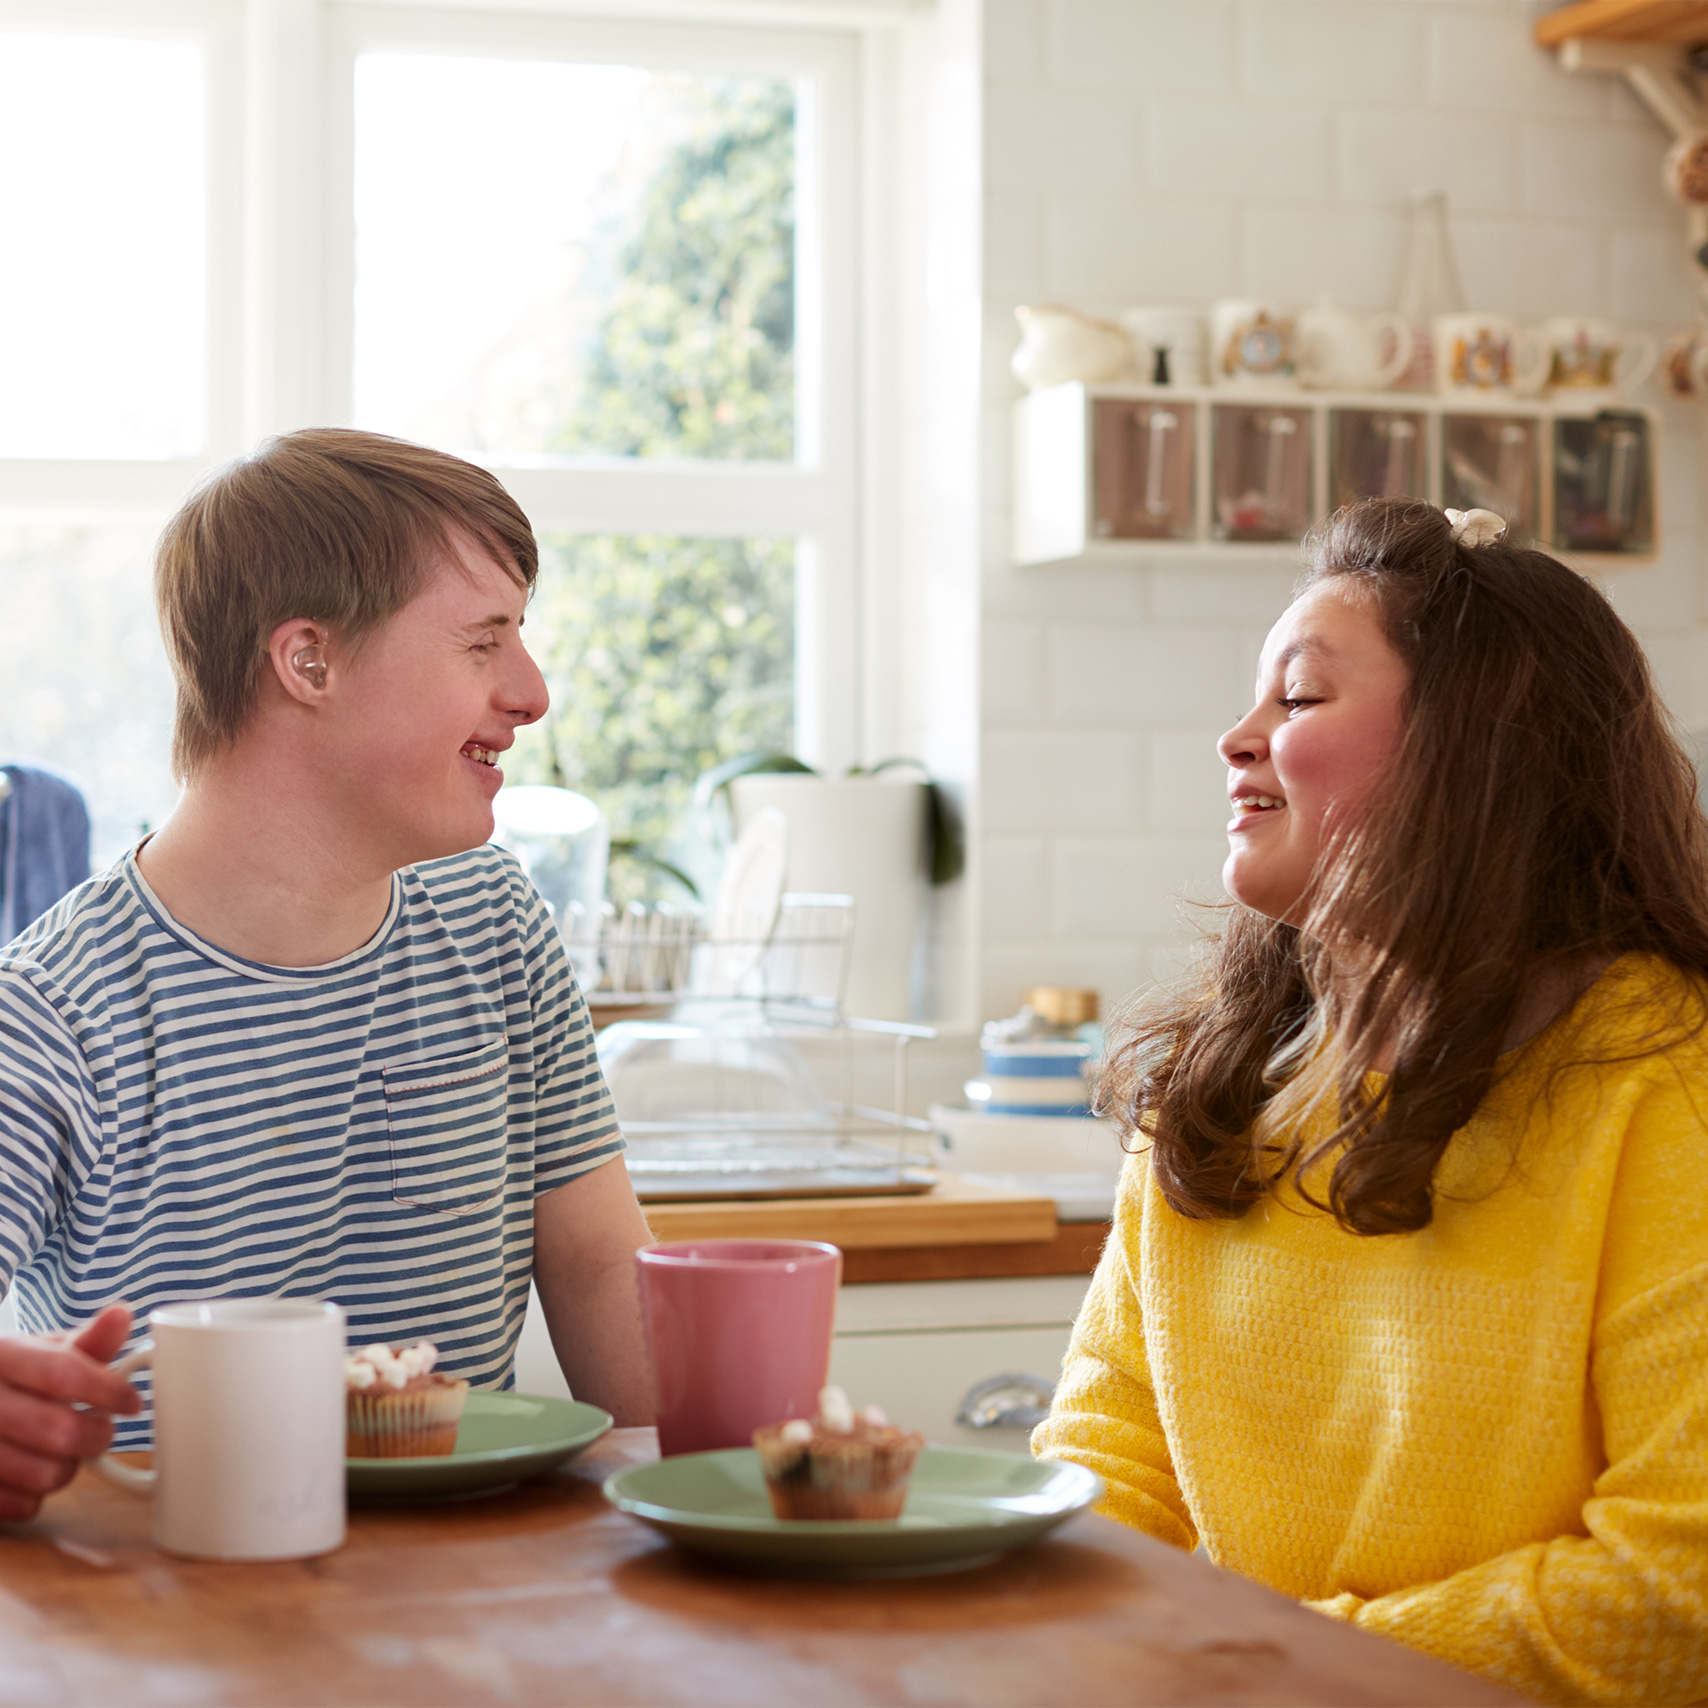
<point>297,652</point>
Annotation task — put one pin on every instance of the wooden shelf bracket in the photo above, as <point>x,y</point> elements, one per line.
<point>1658,72</point>
<point>1660,76</point>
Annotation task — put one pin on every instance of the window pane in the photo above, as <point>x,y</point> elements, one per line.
<point>556,259</point>
<point>664,656</point>
<point>87,686</point>
<point>102,200</point>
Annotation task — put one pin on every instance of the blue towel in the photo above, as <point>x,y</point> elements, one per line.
<point>44,844</point>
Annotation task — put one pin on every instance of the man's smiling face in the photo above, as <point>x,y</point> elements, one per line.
<point>426,705</point>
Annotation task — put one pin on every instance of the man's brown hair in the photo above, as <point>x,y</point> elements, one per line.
<point>337,526</point>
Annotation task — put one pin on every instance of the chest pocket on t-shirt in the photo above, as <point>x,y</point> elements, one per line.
<point>449,1145</point>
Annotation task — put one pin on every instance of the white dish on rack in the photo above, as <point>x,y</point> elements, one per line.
<point>745,911</point>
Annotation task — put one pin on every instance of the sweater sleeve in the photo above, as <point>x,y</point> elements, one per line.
<point>1105,1413</point>
<point>1619,1614</point>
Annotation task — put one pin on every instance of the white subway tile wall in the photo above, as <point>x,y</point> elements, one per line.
<point>1145,151</point>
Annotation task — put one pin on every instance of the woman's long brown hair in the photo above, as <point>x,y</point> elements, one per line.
<point>1539,819</point>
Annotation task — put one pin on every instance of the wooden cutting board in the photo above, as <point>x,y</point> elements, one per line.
<point>954,1212</point>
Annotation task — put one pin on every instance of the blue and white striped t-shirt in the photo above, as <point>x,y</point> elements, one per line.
<point>177,1122</point>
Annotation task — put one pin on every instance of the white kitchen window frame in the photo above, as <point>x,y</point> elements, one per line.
<point>280,288</point>
<point>813,499</point>
<point>128,489</point>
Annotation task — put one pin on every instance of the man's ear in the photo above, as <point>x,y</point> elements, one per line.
<point>297,652</point>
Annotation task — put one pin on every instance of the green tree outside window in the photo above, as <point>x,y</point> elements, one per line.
<point>668,655</point>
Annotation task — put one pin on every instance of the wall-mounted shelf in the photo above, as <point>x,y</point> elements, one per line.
<point>1120,473</point>
<point>1645,42</point>
<point>1625,21</point>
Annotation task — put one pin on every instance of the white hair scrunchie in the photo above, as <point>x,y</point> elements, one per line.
<point>1475,527</point>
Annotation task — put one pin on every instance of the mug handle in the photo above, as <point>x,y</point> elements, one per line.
<point>1532,357</point>
<point>1400,360</point>
<point>1633,372</point>
<point>121,1475</point>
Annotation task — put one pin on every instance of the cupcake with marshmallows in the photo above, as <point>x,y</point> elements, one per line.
<point>842,1464</point>
<point>397,1406</point>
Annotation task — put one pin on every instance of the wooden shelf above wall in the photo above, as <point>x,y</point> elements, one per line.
<point>1625,21</point>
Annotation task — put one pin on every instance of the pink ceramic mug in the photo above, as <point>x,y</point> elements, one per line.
<point>739,1332</point>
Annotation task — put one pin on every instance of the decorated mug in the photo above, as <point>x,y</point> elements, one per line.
<point>1596,361</point>
<point>1479,354</point>
<point>1339,350</point>
<point>1684,368</point>
<point>1254,344</point>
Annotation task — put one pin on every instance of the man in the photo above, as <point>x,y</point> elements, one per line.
<point>312,1038</point>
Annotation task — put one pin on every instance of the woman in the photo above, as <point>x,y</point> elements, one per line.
<point>1406,1308</point>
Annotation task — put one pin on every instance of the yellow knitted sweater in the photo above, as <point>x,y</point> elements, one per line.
<point>1489,1438</point>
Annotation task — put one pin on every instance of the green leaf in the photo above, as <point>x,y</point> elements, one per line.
<point>713,785</point>
<point>628,849</point>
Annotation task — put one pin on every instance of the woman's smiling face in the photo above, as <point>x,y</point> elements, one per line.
<point>1330,706</point>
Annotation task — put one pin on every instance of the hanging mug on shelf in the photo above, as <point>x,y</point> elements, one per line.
<point>1168,344</point>
<point>1480,354</point>
<point>1593,362</point>
<point>1254,344</point>
<point>1342,351</point>
<point>1684,368</point>
<point>1058,344</point>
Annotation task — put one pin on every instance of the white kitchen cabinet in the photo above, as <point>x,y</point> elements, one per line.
<point>917,1347</point>
<point>912,1347</point>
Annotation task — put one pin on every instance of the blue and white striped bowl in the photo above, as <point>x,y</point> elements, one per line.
<point>1036,1077</point>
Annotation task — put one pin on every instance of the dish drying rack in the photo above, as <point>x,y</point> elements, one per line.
<point>741,1076</point>
<point>649,957</point>
<point>837,1146</point>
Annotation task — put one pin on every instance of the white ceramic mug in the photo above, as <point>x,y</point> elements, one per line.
<point>1168,345</point>
<point>1596,361</point>
<point>1254,345</point>
<point>248,1428</point>
<point>1342,351</point>
<point>1476,354</point>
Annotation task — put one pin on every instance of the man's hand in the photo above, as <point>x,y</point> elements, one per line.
<point>585,1238</point>
<point>43,1379</point>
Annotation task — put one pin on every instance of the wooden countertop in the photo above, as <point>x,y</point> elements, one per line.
<point>954,1232</point>
<point>953,1212</point>
<point>548,1595</point>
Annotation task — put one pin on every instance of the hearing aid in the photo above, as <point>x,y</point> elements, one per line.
<point>310,664</point>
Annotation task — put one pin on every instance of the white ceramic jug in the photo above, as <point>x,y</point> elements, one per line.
<point>1342,351</point>
<point>1059,344</point>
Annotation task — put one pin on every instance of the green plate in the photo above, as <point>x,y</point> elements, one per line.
<point>502,1439</point>
<point>965,1506</point>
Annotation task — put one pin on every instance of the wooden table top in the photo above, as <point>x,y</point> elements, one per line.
<point>547,1595</point>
